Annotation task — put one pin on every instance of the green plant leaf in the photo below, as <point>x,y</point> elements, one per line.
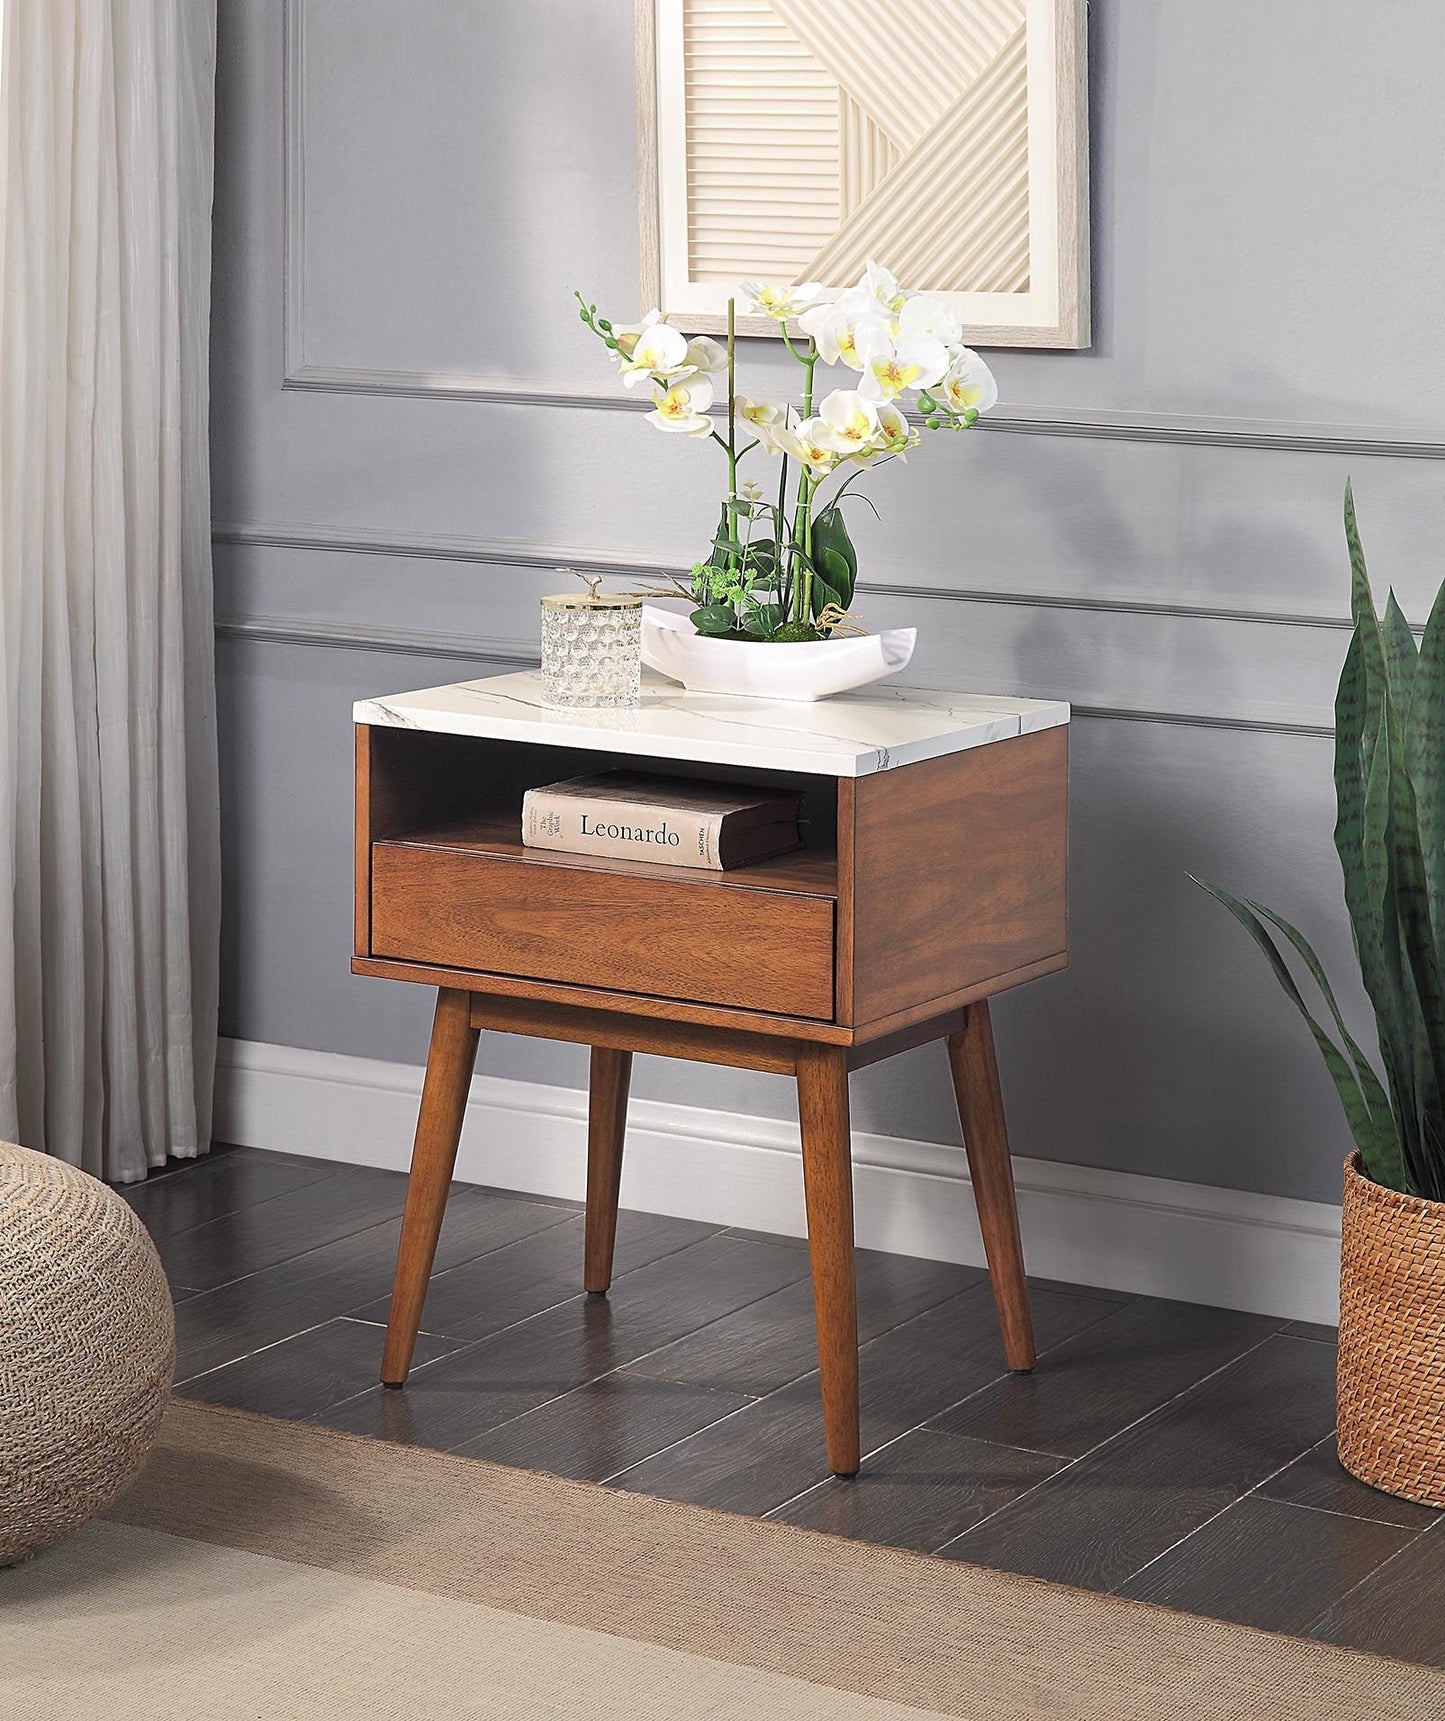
<point>1359,833</point>
<point>1357,1112</point>
<point>713,619</point>
<point>760,563</point>
<point>1420,968</point>
<point>724,543</point>
<point>834,555</point>
<point>1367,623</point>
<point>1401,654</point>
<point>1384,1160</point>
<point>1425,759</point>
<point>764,620</point>
<point>1393,1008</point>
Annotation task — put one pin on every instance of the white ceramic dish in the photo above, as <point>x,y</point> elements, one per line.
<point>811,670</point>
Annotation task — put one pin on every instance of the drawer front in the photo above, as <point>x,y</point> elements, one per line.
<point>690,939</point>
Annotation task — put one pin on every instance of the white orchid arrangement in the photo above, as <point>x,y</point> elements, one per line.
<point>786,570</point>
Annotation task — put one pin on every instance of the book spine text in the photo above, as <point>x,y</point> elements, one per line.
<point>620,830</point>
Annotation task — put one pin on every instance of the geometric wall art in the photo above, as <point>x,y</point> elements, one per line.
<point>793,140</point>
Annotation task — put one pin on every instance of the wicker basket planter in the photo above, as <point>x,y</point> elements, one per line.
<point>1392,1339</point>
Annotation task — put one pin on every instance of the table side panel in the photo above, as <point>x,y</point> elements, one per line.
<point>361,846</point>
<point>764,950</point>
<point>960,872</point>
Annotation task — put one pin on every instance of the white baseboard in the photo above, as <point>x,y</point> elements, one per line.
<point>1110,1229</point>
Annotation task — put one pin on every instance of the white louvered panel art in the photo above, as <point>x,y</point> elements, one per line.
<point>944,230</point>
<point>809,151</point>
<point>797,139</point>
<point>762,144</point>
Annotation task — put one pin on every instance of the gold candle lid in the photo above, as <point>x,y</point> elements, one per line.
<point>593,598</point>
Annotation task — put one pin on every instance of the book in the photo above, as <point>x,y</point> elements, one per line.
<point>671,821</point>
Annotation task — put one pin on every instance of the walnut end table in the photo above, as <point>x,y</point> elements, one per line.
<point>933,876</point>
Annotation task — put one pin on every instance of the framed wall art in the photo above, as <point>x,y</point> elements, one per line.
<point>792,140</point>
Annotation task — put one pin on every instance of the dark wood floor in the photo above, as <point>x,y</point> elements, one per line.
<point>1176,1454</point>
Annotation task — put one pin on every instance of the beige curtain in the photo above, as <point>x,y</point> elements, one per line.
<point>109,845</point>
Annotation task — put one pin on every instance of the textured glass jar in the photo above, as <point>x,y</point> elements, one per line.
<point>592,649</point>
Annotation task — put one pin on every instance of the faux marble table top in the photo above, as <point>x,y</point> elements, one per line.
<point>851,735</point>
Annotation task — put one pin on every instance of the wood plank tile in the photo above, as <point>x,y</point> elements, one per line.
<point>1312,1330</point>
<point>605,1426</point>
<point>195,1192</point>
<point>482,1296</point>
<point>1398,1609</point>
<point>1267,1564</point>
<point>1102,1518</point>
<point>1107,1376</point>
<point>777,1237</point>
<point>1319,1479</point>
<point>512,1372</point>
<point>773,1451</point>
<point>300,1375</point>
<point>260,1236</point>
<point>920,1492</point>
<point>771,1342</point>
<point>236,1319</point>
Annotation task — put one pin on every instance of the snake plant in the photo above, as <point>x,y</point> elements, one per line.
<point>1390,835</point>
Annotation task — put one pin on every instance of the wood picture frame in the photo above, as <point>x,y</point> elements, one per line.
<point>764,153</point>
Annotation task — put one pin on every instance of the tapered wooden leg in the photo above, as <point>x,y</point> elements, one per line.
<point>606,1126</point>
<point>980,1110</point>
<point>828,1190</point>
<point>433,1155</point>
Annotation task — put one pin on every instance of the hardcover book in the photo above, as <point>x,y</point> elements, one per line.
<point>670,821</point>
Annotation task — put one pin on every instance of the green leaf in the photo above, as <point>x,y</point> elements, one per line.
<point>1357,1112</point>
<point>1367,625</point>
<point>1420,968</point>
<point>764,620</point>
<point>1401,654</point>
<point>713,619</point>
<point>834,555</point>
<point>1425,759</point>
<point>760,563</point>
<point>724,544</point>
<point>1383,1160</point>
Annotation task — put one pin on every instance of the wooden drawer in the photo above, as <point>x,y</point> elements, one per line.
<point>690,938</point>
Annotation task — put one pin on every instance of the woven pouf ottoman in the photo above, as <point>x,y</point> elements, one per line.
<point>87,1345</point>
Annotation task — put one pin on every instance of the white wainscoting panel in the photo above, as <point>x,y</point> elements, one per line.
<point>1110,1229</point>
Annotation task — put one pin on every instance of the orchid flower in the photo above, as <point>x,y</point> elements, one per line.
<point>882,284</point>
<point>843,326</point>
<point>706,356</point>
<point>895,435</point>
<point>809,444</point>
<point>766,419</point>
<point>969,384</point>
<point>781,303</point>
<point>626,335</point>
<point>682,407</point>
<point>849,423</point>
<point>660,354</point>
<point>927,314</point>
<point>910,361</point>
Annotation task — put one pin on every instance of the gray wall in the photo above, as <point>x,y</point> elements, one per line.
<point>1152,530</point>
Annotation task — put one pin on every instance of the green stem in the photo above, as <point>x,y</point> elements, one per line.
<point>803,515</point>
<point>732,436</point>
<point>802,358</point>
<point>784,563</point>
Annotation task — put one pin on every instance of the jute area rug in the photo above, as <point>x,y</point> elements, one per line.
<point>272,1569</point>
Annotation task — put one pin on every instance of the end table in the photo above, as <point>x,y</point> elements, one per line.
<point>933,876</point>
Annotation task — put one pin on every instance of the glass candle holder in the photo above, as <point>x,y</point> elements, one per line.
<point>591,649</point>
